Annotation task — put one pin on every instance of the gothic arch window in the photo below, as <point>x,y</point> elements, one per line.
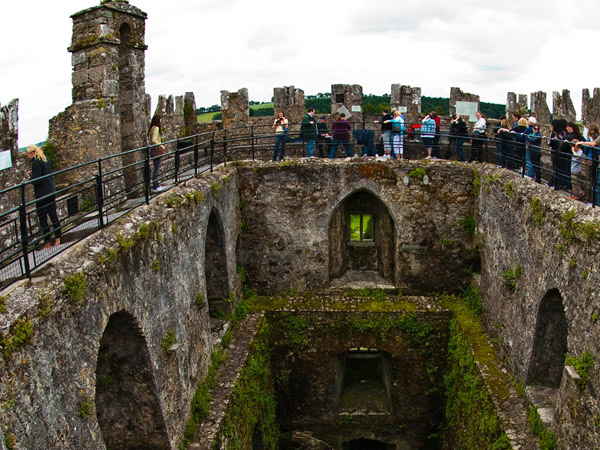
<point>361,236</point>
<point>127,404</point>
<point>549,342</point>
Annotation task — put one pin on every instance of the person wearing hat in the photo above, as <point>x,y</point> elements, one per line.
<point>44,190</point>
<point>324,140</point>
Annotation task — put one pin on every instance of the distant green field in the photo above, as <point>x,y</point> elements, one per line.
<point>207,117</point>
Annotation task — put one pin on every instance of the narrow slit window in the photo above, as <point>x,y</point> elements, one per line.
<point>361,227</point>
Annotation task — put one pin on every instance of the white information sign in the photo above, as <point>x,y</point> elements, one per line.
<point>343,109</point>
<point>467,109</point>
<point>356,108</point>
<point>403,109</point>
<point>5,160</point>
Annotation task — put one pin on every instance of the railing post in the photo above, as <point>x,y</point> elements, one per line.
<point>100,195</point>
<point>212,151</point>
<point>252,141</point>
<point>594,180</point>
<point>196,157</point>
<point>177,162</point>
<point>225,147</point>
<point>147,175</point>
<point>24,236</point>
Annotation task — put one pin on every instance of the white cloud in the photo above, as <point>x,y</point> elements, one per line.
<point>211,45</point>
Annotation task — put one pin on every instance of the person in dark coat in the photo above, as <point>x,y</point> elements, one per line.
<point>308,132</point>
<point>557,136</point>
<point>44,190</point>
<point>341,135</point>
<point>324,141</point>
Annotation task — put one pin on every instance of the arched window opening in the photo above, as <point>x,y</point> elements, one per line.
<point>361,239</point>
<point>365,382</point>
<point>127,406</point>
<point>217,285</point>
<point>549,343</point>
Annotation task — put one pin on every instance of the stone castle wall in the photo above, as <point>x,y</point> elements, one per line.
<point>154,271</point>
<point>552,240</point>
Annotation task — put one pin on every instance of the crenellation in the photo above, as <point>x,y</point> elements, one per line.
<point>590,107</point>
<point>562,106</point>
<point>409,98</point>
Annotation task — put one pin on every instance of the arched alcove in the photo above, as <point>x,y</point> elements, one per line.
<point>127,406</point>
<point>361,236</point>
<point>215,265</point>
<point>549,342</point>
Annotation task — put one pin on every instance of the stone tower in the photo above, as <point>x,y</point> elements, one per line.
<point>109,113</point>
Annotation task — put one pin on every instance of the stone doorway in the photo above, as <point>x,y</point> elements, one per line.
<point>361,238</point>
<point>127,405</point>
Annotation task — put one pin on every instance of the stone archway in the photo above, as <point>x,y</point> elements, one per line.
<point>361,236</point>
<point>549,343</point>
<point>127,404</point>
<point>215,265</point>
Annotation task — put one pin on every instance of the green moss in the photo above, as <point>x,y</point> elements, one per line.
<point>594,317</point>
<point>107,381</point>
<point>582,365</point>
<point>253,401</point>
<point>546,438</point>
<point>85,408</point>
<point>45,304</point>
<point>155,265</point>
<point>198,196</point>
<point>471,418</point>
<point>537,211</point>
<point>215,187</point>
<point>417,172</point>
<point>19,335</point>
<point>508,188</point>
<point>11,441</point>
<point>199,301</point>
<point>585,274</point>
<point>85,42</point>
<point>511,276</point>
<point>472,298</point>
<point>143,232</point>
<point>468,223</point>
<point>168,341</point>
<point>2,304</point>
<point>74,288</point>
<point>200,406</point>
<point>376,294</point>
<point>590,231</point>
<point>568,226</point>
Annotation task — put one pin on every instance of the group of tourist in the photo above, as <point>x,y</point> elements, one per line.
<point>518,144</point>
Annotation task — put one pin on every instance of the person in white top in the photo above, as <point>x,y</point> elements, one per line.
<point>478,137</point>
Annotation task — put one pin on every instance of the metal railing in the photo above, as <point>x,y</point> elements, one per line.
<point>108,187</point>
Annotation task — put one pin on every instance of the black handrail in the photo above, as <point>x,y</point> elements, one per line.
<point>108,197</point>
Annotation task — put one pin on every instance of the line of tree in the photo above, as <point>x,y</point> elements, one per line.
<point>372,104</point>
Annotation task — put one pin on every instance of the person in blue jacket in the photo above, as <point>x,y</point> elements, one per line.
<point>44,190</point>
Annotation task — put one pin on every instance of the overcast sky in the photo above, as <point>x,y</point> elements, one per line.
<point>205,46</point>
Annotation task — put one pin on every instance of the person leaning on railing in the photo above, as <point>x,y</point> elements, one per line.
<point>44,190</point>
<point>535,141</point>
<point>593,151</point>
<point>477,138</point>
<point>281,129</point>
